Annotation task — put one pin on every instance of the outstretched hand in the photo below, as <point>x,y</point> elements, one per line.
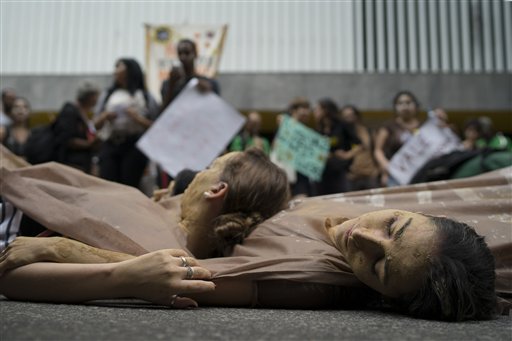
<point>26,250</point>
<point>161,276</point>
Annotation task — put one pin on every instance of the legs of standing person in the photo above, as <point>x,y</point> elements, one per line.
<point>301,186</point>
<point>123,162</point>
<point>133,164</point>
<point>110,161</point>
<point>333,182</point>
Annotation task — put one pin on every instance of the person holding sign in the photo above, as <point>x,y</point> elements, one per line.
<point>180,75</point>
<point>395,133</point>
<point>250,135</point>
<point>124,113</point>
<point>342,137</point>
<point>298,258</point>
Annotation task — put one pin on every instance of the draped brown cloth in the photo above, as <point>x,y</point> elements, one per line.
<point>292,245</point>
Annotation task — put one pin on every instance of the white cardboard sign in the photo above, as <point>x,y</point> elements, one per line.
<point>192,131</point>
<point>431,141</point>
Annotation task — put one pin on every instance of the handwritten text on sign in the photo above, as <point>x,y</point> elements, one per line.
<point>303,148</point>
<point>430,142</point>
<point>192,131</point>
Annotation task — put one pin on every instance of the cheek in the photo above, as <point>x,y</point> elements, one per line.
<point>361,271</point>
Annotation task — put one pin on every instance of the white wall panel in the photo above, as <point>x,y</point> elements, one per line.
<point>69,37</point>
<point>498,46</point>
<point>508,34</point>
<point>433,34</point>
<point>476,20</point>
<point>423,37</point>
<point>456,47</point>
<point>487,36</point>
<point>402,38</point>
<point>263,36</point>
<point>444,34</point>
<point>359,36</point>
<point>370,36</point>
<point>381,35</point>
<point>466,36</point>
<point>412,28</point>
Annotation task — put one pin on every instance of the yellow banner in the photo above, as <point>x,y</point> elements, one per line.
<point>161,54</point>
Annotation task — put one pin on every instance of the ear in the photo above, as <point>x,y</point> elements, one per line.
<point>333,221</point>
<point>217,191</point>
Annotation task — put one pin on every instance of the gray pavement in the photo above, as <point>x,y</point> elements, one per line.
<point>134,320</point>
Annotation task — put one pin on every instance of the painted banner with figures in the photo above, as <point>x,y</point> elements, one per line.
<point>161,54</point>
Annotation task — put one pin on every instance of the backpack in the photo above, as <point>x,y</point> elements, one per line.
<point>461,164</point>
<point>442,167</point>
<point>41,145</point>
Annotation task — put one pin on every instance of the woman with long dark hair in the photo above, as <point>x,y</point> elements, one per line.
<point>125,111</point>
<point>341,136</point>
<point>394,133</point>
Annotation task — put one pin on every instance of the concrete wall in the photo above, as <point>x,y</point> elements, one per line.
<point>272,92</point>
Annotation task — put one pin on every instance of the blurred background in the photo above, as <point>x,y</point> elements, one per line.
<point>451,54</point>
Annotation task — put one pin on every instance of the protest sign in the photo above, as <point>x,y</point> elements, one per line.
<point>192,131</point>
<point>302,148</point>
<point>431,141</point>
<point>161,54</point>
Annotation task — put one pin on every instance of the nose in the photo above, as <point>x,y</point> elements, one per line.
<point>368,243</point>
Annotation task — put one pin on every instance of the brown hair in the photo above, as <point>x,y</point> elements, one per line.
<point>258,189</point>
<point>298,102</point>
<point>460,284</point>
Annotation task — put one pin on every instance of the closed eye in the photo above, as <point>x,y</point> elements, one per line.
<point>389,224</point>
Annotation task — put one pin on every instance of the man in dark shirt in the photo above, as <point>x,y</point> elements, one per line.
<point>181,75</point>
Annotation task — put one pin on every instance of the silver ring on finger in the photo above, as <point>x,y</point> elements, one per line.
<point>173,300</point>
<point>184,262</point>
<point>190,272</point>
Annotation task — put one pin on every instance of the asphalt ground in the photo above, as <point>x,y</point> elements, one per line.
<point>135,320</point>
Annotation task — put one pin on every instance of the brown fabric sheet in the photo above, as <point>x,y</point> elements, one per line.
<point>292,245</point>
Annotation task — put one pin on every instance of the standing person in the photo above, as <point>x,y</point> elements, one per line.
<point>300,110</point>
<point>250,136</point>
<point>393,135</point>
<point>8,97</point>
<point>342,136</point>
<point>181,75</point>
<point>363,171</point>
<point>18,131</point>
<point>75,133</point>
<point>472,132</point>
<point>125,111</point>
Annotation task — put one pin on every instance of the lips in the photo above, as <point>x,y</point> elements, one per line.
<point>348,234</point>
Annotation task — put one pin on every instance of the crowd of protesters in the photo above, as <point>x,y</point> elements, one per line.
<point>102,128</point>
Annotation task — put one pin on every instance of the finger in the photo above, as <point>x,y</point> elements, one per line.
<point>178,252</point>
<point>184,302</point>
<point>187,261</point>
<point>4,264</point>
<point>195,272</point>
<point>192,286</point>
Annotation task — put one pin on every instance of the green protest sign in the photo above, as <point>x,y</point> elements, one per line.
<point>302,148</point>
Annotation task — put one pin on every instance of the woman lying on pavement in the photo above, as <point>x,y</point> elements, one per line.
<point>430,267</point>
